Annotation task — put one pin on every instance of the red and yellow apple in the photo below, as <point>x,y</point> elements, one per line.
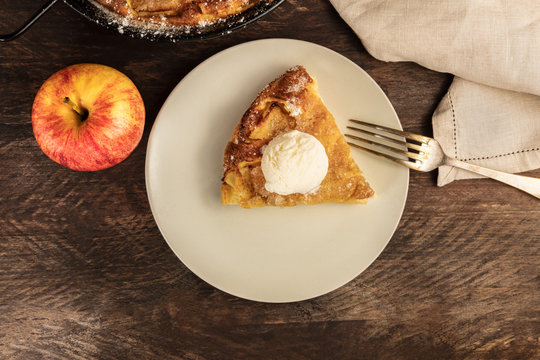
<point>88,117</point>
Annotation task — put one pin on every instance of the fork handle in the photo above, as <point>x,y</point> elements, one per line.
<point>528,184</point>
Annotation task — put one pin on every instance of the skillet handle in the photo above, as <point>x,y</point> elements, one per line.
<point>28,23</point>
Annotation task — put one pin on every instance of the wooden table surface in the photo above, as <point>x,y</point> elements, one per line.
<point>85,272</point>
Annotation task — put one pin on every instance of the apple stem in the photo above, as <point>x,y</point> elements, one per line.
<point>83,113</point>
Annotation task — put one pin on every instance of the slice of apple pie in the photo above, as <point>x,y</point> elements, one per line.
<point>287,149</point>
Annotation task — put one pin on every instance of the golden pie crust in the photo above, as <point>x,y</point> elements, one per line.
<point>179,12</point>
<point>291,102</point>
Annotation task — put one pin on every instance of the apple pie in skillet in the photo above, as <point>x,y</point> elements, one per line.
<point>179,12</point>
<point>170,20</point>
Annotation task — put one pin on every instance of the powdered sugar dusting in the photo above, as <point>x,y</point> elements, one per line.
<point>158,28</point>
<point>297,83</point>
<point>292,108</point>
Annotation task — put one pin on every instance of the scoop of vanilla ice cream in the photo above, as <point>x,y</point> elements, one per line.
<point>294,162</point>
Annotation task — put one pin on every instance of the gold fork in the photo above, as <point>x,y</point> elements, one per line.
<point>425,154</point>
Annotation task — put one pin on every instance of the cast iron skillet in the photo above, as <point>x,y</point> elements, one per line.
<point>138,29</point>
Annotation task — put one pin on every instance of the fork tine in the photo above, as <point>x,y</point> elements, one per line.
<point>392,149</point>
<point>405,134</point>
<point>387,138</point>
<point>406,163</point>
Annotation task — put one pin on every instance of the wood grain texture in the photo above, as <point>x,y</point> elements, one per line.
<point>85,273</point>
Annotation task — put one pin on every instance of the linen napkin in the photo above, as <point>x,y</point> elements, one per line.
<point>490,116</point>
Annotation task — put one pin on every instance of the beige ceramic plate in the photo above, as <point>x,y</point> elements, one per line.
<point>266,254</point>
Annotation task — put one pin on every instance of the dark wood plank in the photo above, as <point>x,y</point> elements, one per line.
<point>85,273</point>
